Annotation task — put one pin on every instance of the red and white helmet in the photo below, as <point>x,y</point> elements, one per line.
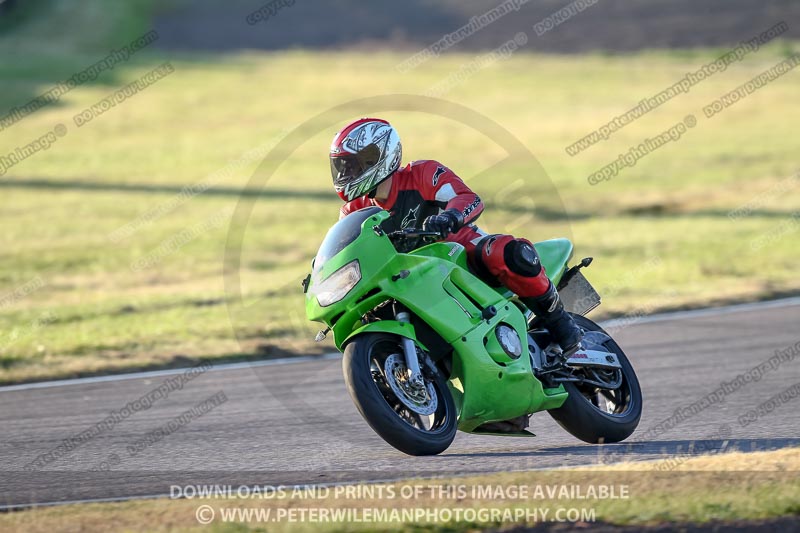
<point>364,154</point>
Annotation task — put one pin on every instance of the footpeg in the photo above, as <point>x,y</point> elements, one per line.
<point>555,357</point>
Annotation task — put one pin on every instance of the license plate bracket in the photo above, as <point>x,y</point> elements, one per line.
<point>578,295</point>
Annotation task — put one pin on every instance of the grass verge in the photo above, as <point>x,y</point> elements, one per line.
<point>128,267</point>
<point>742,488</point>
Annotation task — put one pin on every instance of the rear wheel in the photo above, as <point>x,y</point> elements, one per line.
<point>601,414</point>
<point>417,420</point>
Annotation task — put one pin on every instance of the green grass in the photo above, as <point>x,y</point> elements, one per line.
<point>104,316</point>
<point>62,29</point>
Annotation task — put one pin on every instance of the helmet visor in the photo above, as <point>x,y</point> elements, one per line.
<point>349,167</point>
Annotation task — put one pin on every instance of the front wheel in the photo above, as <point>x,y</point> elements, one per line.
<point>599,414</point>
<point>417,420</point>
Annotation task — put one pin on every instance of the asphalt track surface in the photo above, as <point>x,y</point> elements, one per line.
<point>294,424</point>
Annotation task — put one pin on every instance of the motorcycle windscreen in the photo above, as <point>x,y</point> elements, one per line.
<point>342,234</point>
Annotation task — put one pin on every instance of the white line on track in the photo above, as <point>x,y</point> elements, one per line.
<point>169,372</point>
<point>676,315</point>
<point>710,311</point>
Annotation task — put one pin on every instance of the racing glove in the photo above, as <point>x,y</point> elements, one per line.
<point>446,222</point>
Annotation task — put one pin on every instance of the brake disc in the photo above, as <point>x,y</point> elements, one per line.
<point>420,399</point>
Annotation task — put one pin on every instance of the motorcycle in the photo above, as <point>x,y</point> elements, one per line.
<point>429,348</point>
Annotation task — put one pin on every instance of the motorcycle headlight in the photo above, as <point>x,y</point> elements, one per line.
<point>337,285</point>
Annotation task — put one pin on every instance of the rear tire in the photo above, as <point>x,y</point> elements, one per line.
<point>585,420</point>
<point>363,366</point>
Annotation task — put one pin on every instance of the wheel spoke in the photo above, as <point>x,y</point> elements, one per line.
<point>418,408</point>
<point>611,401</point>
<point>609,394</point>
<point>418,420</point>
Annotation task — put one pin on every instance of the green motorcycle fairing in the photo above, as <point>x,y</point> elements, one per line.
<point>434,283</point>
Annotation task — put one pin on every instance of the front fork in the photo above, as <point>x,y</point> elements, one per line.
<point>410,352</point>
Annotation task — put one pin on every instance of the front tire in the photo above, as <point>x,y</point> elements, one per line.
<point>582,414</point>
<point>370,362</point>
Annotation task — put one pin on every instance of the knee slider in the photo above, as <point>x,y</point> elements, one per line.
<point>522,259</point>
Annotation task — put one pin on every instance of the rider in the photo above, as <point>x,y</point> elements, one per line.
<point>365,164</point>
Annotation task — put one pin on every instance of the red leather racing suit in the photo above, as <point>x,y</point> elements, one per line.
<point>425,188</point>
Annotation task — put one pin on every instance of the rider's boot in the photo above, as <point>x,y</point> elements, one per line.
<point>559,323</point>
